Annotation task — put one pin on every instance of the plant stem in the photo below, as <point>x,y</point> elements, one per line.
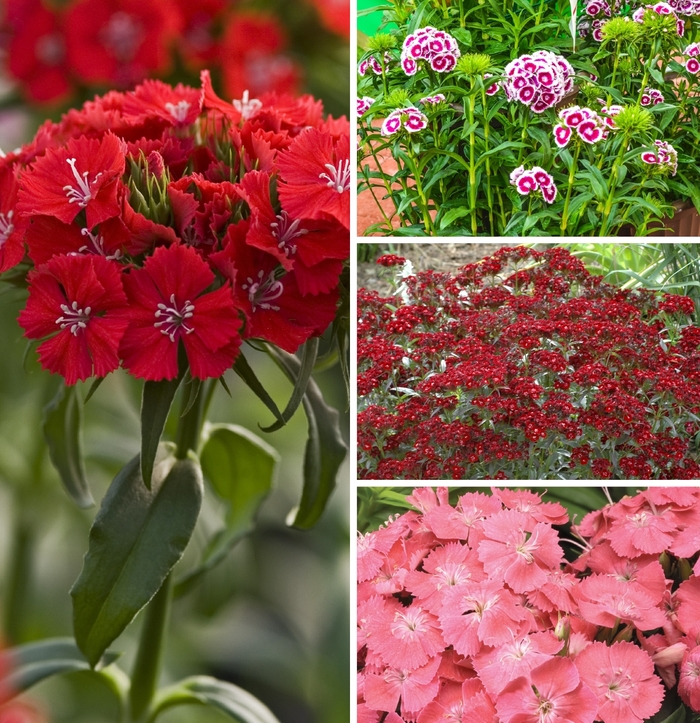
<point>572,175</point>
<point>614,73</point>
<point>144,678</point>
<point>489,195</point>
<point>472,159</point>
<point>613,185</point>
<point>523,136</point>
<point>427,221</point>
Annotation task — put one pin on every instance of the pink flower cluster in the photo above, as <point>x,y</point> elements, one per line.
<point>536,179</point>
<point>411,119</point>
<point>660,8</point>
<point>493,88</point>
<point>651,96</point>
<point>666,157</point>
<point>692,58</point>
<point>471,614</point>
<point>589,126</point>
<point>540,80</point>
<point>433,46</point>
<point>363,105</point>
<point>433,99</point>
<point>686,7</point>
<point>373,64</point>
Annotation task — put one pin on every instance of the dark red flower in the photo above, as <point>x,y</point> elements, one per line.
<point>315,176</point>
<point>75,300</point>
<point>84,174</point>
<point>11,225</point>
<point>168,303</point>
<point>177,106</point>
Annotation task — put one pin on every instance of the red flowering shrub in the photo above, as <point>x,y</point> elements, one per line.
<point>525,366</point>
<point>471,613</point>
<point>152,218</point>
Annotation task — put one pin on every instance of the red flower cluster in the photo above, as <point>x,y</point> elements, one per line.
<point>525,366</point>
<point>54,47</point>
<point>471,613</point>
<point>166,215</point>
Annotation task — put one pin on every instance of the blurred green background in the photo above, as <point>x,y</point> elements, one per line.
<point>273,618</point>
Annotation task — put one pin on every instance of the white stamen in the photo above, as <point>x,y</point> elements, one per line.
<point>98,247</point>
<point>82,194</point>
<point>246,106</point>
<point>179,111</point>
<point>338,177</point>
<point>174,318</point>
<point>284,232</point>
<point>6,227</point>
<point>74,318</point>
<point>261,293</point>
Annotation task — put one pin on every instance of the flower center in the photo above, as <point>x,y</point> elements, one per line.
<point>285,231</point>
<point>247,106</point>
<point>338,177</point>
<point>122,35</point>
<point>97,247</point>
<point>178,111</point>
<point>82,194</point>
<point>174,319</point>
<point>74,318</point>
<point>6,227</point>
<point>261,293</point>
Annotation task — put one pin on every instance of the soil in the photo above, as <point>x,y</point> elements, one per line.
<point>434,255</point>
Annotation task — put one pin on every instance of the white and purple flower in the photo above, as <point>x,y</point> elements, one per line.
<point>660,8</point>
<point>651,96</point>
<point>433,46</point>
<point>692,58</point>
<point>666,157</point>
<point>536,179</point>
<point>590,127</point>
<point>433,99</point>
<point>363,105</point>
<point>540,80</point>
<point>411,119</point>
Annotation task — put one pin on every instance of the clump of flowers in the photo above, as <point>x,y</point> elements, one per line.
<point>166,220</point>
<point>411,119</point>
<point>590,127</point>
<point>433,99</point>
<point>665,157</point>
<point>535,179</point>
<point>435,47</point>
<point>692,58</point>
<point>540,80</point>
<point>525,366</point>
<point>472,612</point>
<point>363,105</point>
<point>373,64</point>
<point>661,8</point>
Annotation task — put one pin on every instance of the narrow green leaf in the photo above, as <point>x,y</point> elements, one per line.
<point>308,360</point>
<point>34,662</point>
<point>93,388</point>
<point>242,469</point>
<point>231,700</point>
<point>155,407</point>
<point>62,430</point>
<point>137,537</point>
<point>325,448</point>
<point>246,373</point>
<point>676,717</point>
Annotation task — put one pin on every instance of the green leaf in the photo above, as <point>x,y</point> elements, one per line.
<point>242,469</point>
<point>231,700</point>
<point>155,407</point>
<point>62,430</point>
<point>308,360</point>
<point>677,717</point>
<point>453,215</point>
<point>137,537</point>
<point>34,662</point>
<point>246,373</point>
<point>325,448</point>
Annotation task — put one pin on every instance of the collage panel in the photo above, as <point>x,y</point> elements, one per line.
<point>546,361</point>
<point>515,118</point>
<point>513,605</point>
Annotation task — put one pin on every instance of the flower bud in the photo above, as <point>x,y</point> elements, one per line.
<point>632,120</point>
<point>473,64</point>
<point>381,42</point>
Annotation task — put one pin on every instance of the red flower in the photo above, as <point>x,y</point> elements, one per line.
<point>198,44</point>
<point>168,304</point>
<point>120,41</point>
<point>83,175</point>
<point>314,249</point>
<point>276,309</point>
<point>37,51</point>
<point>315,176</point>
<point>252,56</point>
<point>179,106</point>
<point>335,15</point>
<point>75,300</point>
<point>11,227</point>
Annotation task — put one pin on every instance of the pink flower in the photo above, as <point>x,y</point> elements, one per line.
<point>519,557</point>
<point>688,597</point>
<point>415,688</point>
<point>562,135</point>
<point>622,678</point>
<point>553,693</point>
<point>689,681</point>
<point>692,65</point>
